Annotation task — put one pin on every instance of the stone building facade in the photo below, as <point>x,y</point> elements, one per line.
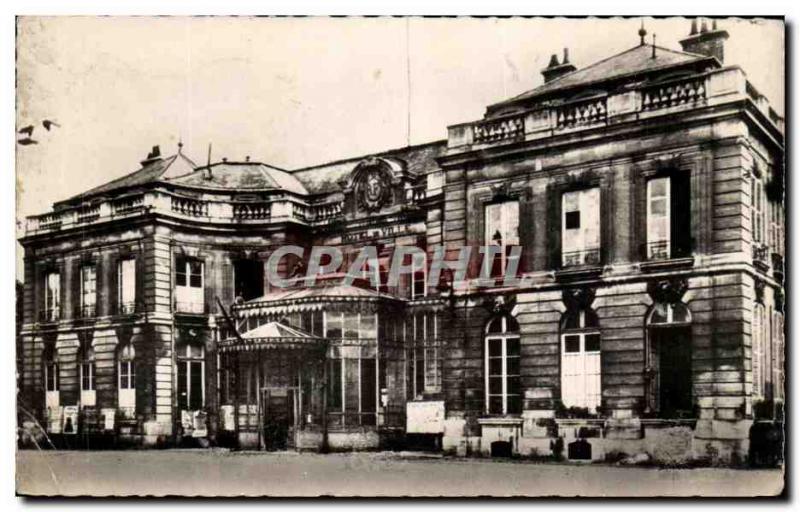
<point>645,191</point>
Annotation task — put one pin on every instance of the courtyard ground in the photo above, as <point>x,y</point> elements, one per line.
<point>221,473</point>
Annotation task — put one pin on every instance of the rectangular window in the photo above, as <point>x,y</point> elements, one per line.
<point>758,336</point>
<point>757,209</point>
<point>334,384</point>
<point>418,288</point>
<point>88,290</point>
<point>52,296</point>
<point>127,375</point>
<point>126,286</point>
<point>580,370</point>
<point>425,360</point>
<point>248,278</point>
<point>51,377</point>
<point>658,218</point>
<point>88,394</point>
<point>352,370</point>
<point>189,292</point>
<point>580,232</point>
<point>126,393</point>
<point>502,362</point>
<point>502,230</point>
<point>87,376</point>
<point>669,229</point>
<point>190,385</point>
<point>52,382</point>
<point>778,356</point>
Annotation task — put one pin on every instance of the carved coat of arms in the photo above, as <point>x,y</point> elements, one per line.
<point>373,190</point>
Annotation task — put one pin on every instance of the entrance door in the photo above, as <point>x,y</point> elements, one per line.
<point>674,346</point>
<point>278,409</point>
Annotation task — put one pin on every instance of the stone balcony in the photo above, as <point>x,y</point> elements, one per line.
<point>642,101</point>
<point>207,209</point>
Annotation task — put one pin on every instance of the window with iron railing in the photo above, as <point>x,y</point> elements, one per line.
<point>52,297</point>
<point>668,217</point>
<point>126,286</point>
<point>580,227</point>
<point>88,291</point>
<point>501,230</point>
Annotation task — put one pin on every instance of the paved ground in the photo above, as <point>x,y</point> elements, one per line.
<point>209,473</point>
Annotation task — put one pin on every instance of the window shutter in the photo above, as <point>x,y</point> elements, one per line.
<point>76,289</point>
<point>554,226</point>
<point>680,207</point>
<point>227,294</point>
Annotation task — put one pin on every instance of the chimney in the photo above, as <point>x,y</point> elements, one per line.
<point>153,156</point>
<point>555,70</point>
<point>706,42</point>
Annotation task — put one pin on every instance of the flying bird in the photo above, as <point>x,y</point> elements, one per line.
<point>27,141</point>
<point>28,130</point>
<point>47,124</point>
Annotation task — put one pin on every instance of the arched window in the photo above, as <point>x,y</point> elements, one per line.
<point>126,379</point>
<point>52,380</point>
<point>501,363</point>
<point>669,313</point>
<point>191,376</point>
<point>87,374</point>
<point>580,360</point>
<point>668,364</point>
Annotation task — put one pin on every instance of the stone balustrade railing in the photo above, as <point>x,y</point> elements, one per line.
<point>645,101</point>
<point>325,212</point>
<point>576,114</point>
<point>251,211</point>
<point>505,129</point>
<point>416,194</point>
<point>205,209</point>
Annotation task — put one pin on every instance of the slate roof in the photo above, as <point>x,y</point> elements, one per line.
<point>635,61</point>
<point>148,173</point>
<point>321,179</point>
<point>242,176</point>
<point>180,170</point>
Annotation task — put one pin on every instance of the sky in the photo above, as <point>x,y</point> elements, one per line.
<point>294,92</point>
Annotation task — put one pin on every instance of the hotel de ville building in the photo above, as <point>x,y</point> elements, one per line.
<point>645,191</point>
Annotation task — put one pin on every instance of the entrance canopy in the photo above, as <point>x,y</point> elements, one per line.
<point>271,336</point>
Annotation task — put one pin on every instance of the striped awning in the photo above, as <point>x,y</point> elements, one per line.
<point>271,336</point>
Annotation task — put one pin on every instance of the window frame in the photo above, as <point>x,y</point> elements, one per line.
<point>508,231</point>
<point>587,253</point>
<point>88,308</point>
<point>341,407</point>
<point>126,307</point>
<point>52,295</point>
<point>196,294</point>
<point>186,358</point>
<point>666,218</point>
<point>582,331</point>
<point>504,337</point>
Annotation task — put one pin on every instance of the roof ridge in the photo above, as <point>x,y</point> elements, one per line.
<point>555,84</point>
<point>571,73</point>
